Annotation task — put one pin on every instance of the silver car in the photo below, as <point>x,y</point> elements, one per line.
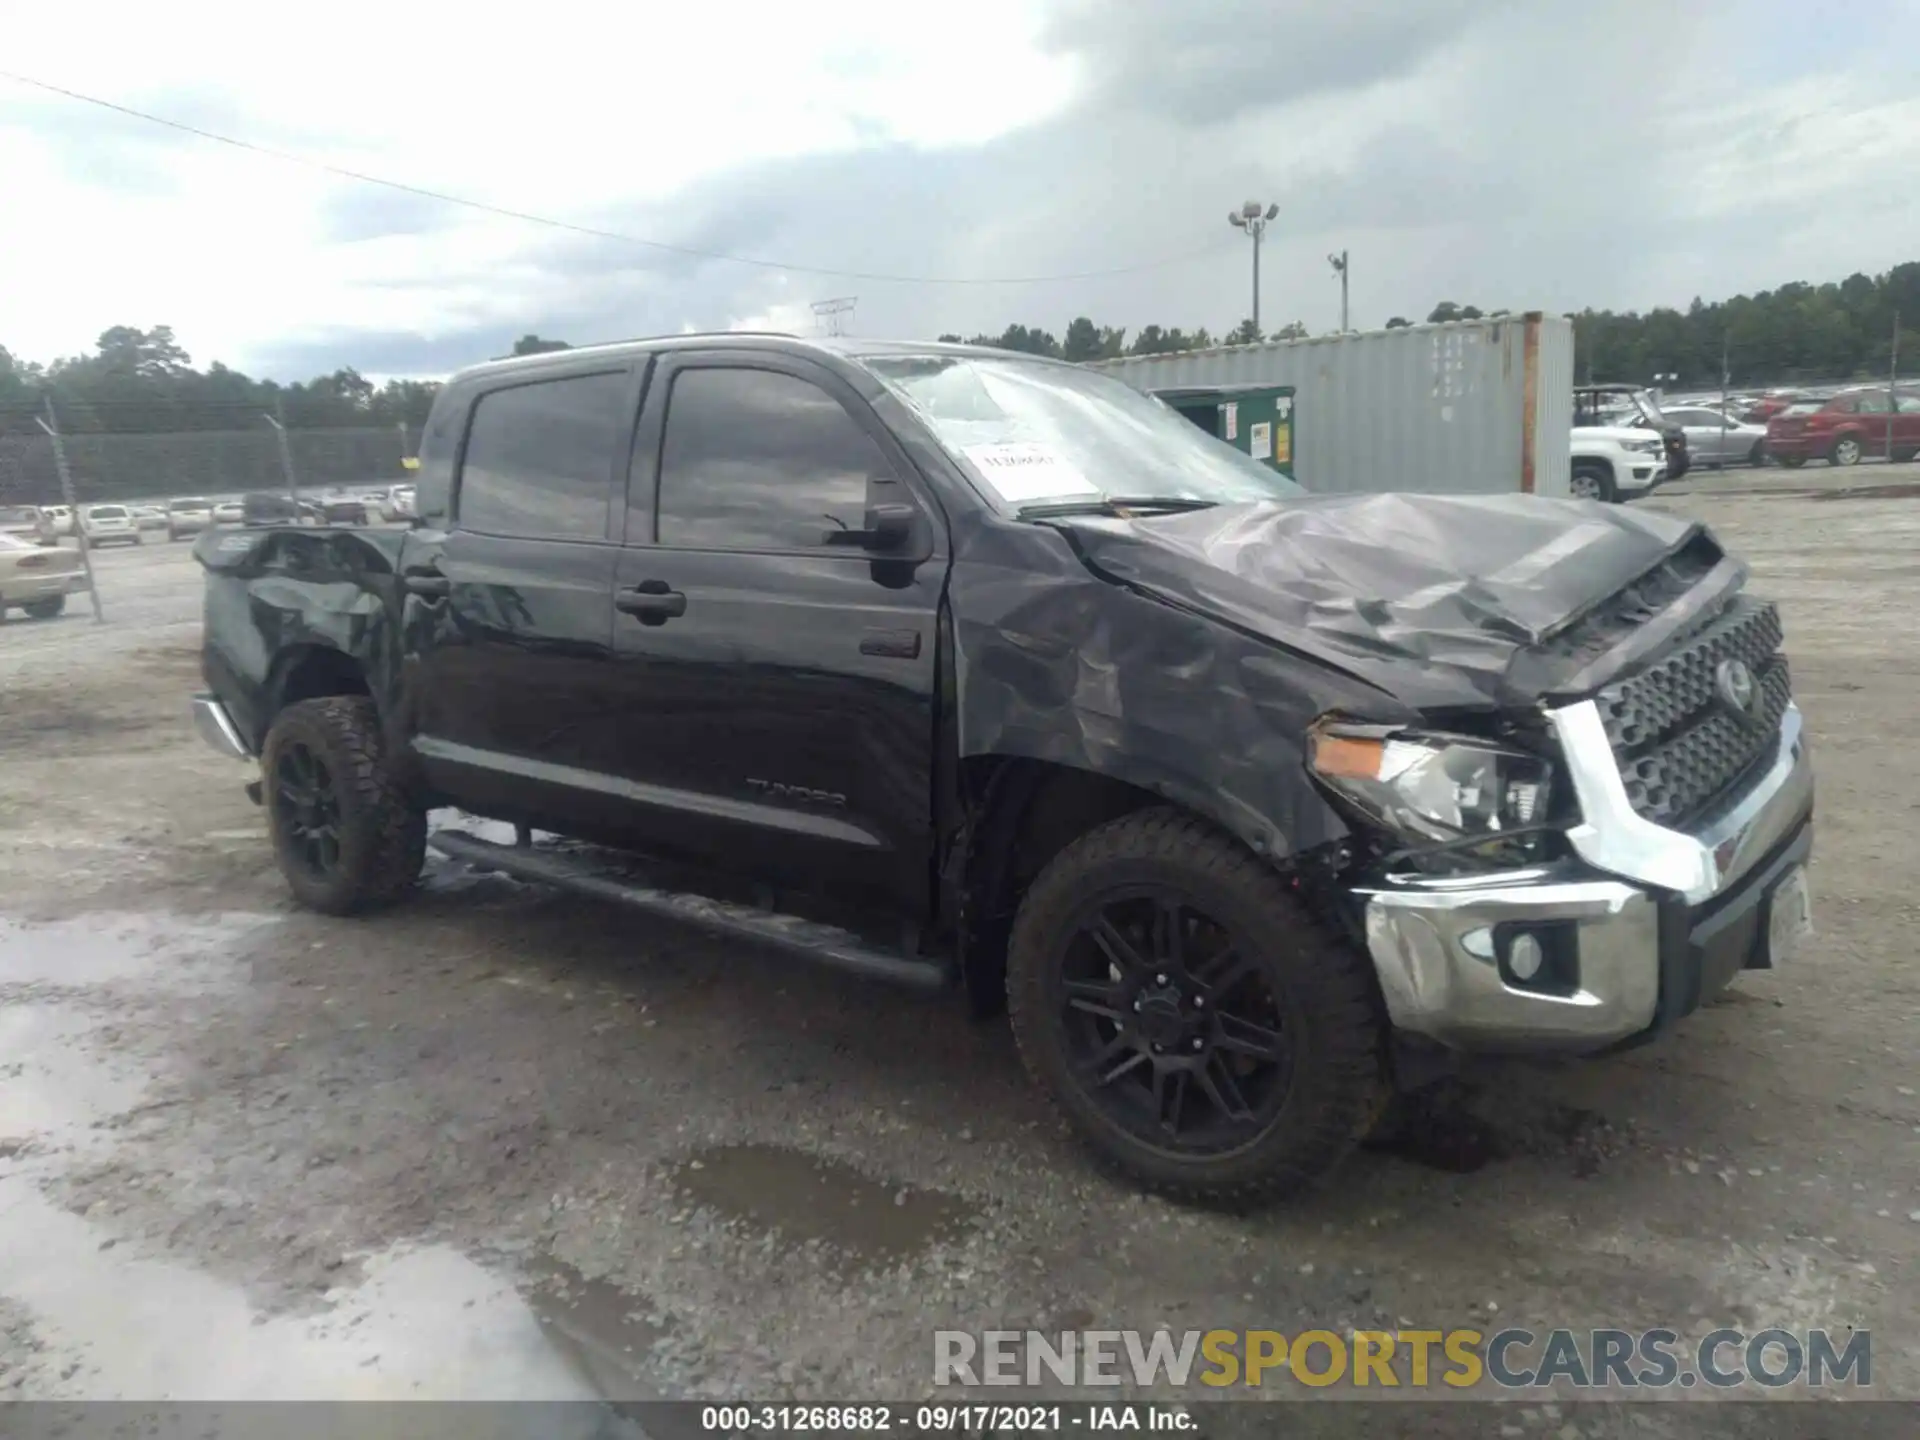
<point>1716,439</point>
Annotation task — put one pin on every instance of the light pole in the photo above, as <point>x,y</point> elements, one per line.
<point>1250,218</point>
<point>1339,263</point>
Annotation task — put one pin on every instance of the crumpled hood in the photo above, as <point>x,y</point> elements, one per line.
<point>1429,598</point>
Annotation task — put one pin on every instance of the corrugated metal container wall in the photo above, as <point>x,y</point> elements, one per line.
<point>1436,408</point>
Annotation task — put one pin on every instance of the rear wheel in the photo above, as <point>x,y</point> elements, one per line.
<point>1758,454</point>
<point>1846,451</point>
<point>347,834</point>
<point>1188,1017</point>
<point>1792,462</point>
<point>1901,457</point>
<point>46,609</point>
<point>1593,481</point>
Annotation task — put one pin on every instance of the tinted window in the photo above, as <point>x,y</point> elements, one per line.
<point>1842,404</point>
<point>539,458</point>
<point>1909,404</point>
<point>1873,405</point>
<point>755,460</point>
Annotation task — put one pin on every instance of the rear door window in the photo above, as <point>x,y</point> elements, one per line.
<point>540,457</point>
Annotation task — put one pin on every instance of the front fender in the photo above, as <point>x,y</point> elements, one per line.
<point>1078,672</point>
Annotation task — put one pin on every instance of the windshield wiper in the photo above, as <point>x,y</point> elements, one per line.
<point>1121,505</point>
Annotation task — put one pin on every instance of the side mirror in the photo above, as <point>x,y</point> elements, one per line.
<point>889,526</point>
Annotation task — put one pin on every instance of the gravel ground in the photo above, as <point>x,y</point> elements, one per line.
<point>502,1143</point>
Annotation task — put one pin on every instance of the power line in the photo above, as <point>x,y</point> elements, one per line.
<point>591,231</point>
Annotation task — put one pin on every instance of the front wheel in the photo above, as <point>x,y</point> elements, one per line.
<point>347,834</point>
<point>47,609</point>
<point>1593,482</point>
<point>1188,1017</point>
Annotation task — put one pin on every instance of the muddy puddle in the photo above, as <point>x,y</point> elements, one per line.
<point>809,1198</point>
<point>106,949</point>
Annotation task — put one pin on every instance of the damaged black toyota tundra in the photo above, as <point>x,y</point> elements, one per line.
<point>966,668</point>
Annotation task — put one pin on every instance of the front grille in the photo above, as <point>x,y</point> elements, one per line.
<point>1679,746</point>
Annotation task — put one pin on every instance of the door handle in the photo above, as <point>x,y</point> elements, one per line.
<point>651,602</point>
<point>428,582</point>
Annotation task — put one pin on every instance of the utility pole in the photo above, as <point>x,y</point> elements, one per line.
<point>286,455</point>
<point>1893,384</point>
<point>1339,263</point>
<point>1250,218</point>
<point>51,424</point>
<point>1726,374</point>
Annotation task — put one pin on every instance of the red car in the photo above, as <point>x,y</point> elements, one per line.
<point>1847,426</point>
<point>1770,405</point>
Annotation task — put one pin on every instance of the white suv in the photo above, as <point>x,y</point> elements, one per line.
<point>1613,463</point>
<point>108,525</point>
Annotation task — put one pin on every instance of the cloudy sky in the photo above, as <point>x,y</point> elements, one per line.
<point>971,162</point>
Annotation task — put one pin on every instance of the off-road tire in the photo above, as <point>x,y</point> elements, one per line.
<point>1601,475</point>
<point>1339,1079</point>
<point>383,830</point>
<point>46,609</point>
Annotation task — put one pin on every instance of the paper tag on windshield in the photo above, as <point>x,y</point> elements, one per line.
<point>1022,470</point>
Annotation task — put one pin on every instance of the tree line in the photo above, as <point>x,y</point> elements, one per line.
<point>1797,332</point>
<point>143,381</point>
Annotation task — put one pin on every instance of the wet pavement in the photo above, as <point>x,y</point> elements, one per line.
<point>500,1143</point>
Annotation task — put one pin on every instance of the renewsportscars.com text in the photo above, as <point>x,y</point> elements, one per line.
<point>1513,1358</point>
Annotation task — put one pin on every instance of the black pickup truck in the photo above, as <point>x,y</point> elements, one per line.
<point>970,669</point>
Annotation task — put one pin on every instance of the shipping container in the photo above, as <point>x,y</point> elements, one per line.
<point>1468,407</point>
<point>1256,420</point>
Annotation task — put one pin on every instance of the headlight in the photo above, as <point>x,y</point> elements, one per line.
<point>1645,447</point>
<point>1430,787</point>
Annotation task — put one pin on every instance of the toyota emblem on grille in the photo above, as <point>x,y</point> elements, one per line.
<point>1733,683</point>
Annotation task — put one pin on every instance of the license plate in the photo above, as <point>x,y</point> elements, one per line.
<point>1789,918</point>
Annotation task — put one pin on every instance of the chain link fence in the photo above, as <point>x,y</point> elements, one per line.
<point>217,454</point>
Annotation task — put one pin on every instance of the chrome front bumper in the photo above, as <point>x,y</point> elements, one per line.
<point>216,727</point>
<point>1439,946</point>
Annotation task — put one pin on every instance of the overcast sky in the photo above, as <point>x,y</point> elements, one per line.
<point>1616,153</point>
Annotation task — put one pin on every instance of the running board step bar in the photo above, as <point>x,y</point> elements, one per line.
<point>807,939</point>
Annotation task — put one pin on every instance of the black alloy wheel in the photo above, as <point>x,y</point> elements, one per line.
<point>1171,1027</point>
<point>307,805</point>
<point>1190,1018</point>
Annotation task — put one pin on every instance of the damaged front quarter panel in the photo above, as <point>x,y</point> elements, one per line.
<point>1056,664</point>
<point>278,597</point>
<point>1189,654</point>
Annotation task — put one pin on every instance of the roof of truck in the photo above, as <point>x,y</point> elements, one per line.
<point>847,347</point>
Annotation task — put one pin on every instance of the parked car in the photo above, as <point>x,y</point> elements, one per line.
<point>1716,439</point>
<point>1615,463</point>
<point>108,525</point>
<point>37,577</point>
<point>955,667</point>
<point>28,522</point>
<point>399,504</point>
<point>1632,406</point>
<point>188,515</point>
<point>1771,404</point>
<point>149,517</point>
<point>229,512</point>
<point>62,518</point>
<point>1844,428</point>
<point>269,508</point>
<point>343,509</point>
